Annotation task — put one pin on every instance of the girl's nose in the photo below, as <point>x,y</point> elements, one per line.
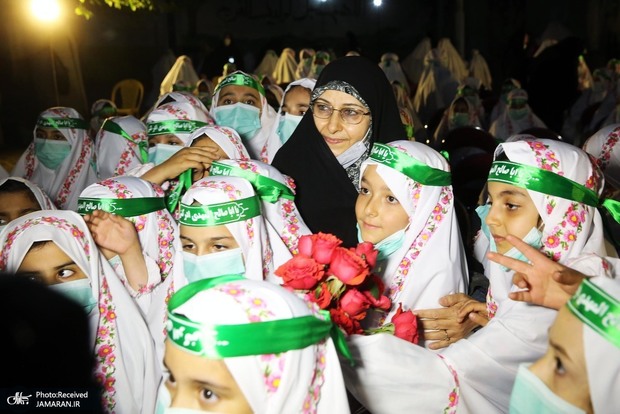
<point>371,208</point>
<point>492,217</point>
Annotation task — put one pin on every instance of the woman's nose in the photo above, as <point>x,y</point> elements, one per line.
<point>335,122</point>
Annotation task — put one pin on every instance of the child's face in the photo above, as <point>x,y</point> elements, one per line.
<point>563,367</point>
<point>201,383</point>
<point>206,240</point>
<point>50,265</point>
<point>168,139</point>
<point>296,101</point>
<point>232,94</point>
<point>379,213</point>
<point>49,133</point>
<point>512,212</point>
<point>16,204</point>
<point>339,135</point>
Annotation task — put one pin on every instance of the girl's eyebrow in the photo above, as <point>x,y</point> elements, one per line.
<point>512,193</point>
<point>185,238</point>
<point>64,265</point>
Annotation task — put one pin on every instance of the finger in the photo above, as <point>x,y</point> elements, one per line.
<point>468,308</point>
<point>439,344</point>
<point>568,277</point>
<point>440,313</point>
<point>522,296</point>
<point>520,280</point>
<point>478,319</point>
<point>514,264</point>
<point>453,299</point>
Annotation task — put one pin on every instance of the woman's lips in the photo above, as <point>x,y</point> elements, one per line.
<point>333,141</point>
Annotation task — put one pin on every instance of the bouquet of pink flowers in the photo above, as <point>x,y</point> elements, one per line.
<point>341,281</point>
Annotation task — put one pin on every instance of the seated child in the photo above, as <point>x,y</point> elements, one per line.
<point>405,207</point>
<point>19,197</point>
<point>290,365</point>
<point>223,231</point>
<point>59,159</point>
<point>56,248</point>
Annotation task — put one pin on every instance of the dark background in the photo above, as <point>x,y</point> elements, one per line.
<point>117,44</point>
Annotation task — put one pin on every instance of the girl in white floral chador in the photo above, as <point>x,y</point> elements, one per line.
<point>289,365</point>
<point>406,208</point>
<point>56,248</point>
<point>544,192</point>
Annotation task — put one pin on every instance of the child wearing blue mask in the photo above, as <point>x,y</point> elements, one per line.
<point>239,102</point>
<point>544,185</point>
<point>223,231</point>
<point>55,247</point>
<point>60,159</point>
<point>405,207</point>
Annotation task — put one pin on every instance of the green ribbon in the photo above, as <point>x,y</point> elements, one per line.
<point>124,207</point>
<point>412,168</point>
<point>220,213</point>
<point>266,188</point>
<point>540,180</point>
<point>115,128</point>
<point>597,309</point>
<point>240,79</point>
<point>254,338</point>
<point>58,123</point>
<point>613,207</point>
<point>185,182</point>
<point>173,126</point>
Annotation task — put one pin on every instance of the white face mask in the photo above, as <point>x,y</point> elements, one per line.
<point>212,265</point>
<point>352,154</point>
<point>162,152</point>
<point>288,124</point>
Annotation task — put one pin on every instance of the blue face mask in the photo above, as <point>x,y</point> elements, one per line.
<point>212,265</point>
<point>518,113</point>
<point>459,119</point>
<point>243,118</point>
<point>288,124</point>
<point>162,152</point>
<point>51,153</point>
<point>530,395</point>
<point>388,245</point>
<point>79,291</point>
<point>533,237</point>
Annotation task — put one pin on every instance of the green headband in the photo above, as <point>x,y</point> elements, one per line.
<point>124,207</point>
<point>173,126</point>
<point>220,213</point>
<point>59,123</point>
<point>543,181</point>
<point>266,188</point>
<point>241,80</point>
<point>412,168</point>
<point>597,309</point>
<point>254,338</point>
<point>113,127</point>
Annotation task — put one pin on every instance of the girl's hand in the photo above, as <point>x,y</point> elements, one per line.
<point>198,159</point>
<point>113,234</point>
<point>445,325</point>
<point>543,281</point>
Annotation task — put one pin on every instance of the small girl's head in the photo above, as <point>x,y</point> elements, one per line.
<point>220,224</point>
<point>57,131</point>
<point>393,181</point>
<point>225,141</point>
<point>545,192</point>
<point>241,346</point>
<point>604,147</point>
<point>580,369</point>
<point>172,123</point>
<point>16,200</point>
<point>296,99</point>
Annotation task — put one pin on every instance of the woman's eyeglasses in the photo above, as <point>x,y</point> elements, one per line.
<point>348,115</point>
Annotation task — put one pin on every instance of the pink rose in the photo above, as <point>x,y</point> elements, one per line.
<point>405,325</point>
<point>355,304</point>
<point>300,272</point>
<point>368,252</point>
<point>347,266</point>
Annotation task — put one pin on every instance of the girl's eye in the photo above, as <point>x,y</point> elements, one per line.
<point>170,380</point>
<point>559,367</point>
<point>364,191</point>
<point>58,137</point>
<point>392,200</point>
<point>64,273</point>
<point>228,102</point>
<point>208,395</point>
<point>250,102</point>
<point>302,113</point>
<point>219,247</point>
<point>189,247</point>
<point>512,206</point>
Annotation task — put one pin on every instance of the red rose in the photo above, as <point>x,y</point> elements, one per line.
<point>322,296</point>
<point>405,325</point>
<point>350,326</point>
<point>355,304</point>
<point>319,246</point>
<point>374,288</point>
<point>383,302</point>
<point>348,267</point>
<point>300,272</point>
<point>368,252</point>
